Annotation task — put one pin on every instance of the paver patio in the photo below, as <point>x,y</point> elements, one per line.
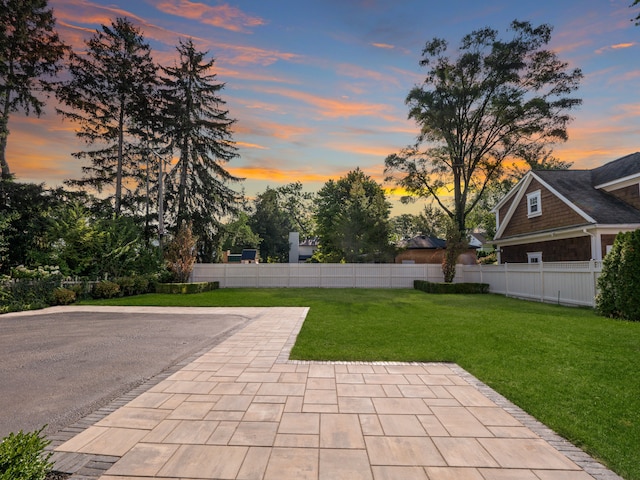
<point>244,411</point>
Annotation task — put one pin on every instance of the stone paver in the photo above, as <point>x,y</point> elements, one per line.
<point>243,411</point>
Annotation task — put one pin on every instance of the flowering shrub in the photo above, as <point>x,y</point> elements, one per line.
<point>29,288</point>
<point>34,273</point>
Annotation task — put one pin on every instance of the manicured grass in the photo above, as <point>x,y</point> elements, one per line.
<point>576,372</point>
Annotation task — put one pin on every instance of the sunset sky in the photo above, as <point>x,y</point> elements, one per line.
<point>318,86</point>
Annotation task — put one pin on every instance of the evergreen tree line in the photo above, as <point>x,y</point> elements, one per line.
<point>157,138</point>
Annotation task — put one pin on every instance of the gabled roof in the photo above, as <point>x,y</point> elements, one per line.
<point>624,167</point>
<point>579,190</point>
<point>577,186</point>
<point>479,236</point>
<point>423,241</point>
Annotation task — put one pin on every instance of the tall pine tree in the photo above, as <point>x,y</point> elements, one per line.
<point>30,53</point>
<point>109,95</point>
<point>199,130</point>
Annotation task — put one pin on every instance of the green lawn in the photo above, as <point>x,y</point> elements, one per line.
<point>576,372</point>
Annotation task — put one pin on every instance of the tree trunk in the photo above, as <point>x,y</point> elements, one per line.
<point>120,160</point>
<point>4,134</point>
<point>455,233</point>
<point>182,187</point>
<point>456,245</point>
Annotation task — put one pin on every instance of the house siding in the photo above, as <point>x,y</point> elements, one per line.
<point>502,213</point>
<point>435,256</point>
<point>421,256</point>
<point>555,214</point>
<point>630,195</point>
<point>568,250</point>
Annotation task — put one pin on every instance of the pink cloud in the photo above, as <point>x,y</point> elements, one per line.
<point>240,54</point>
<point>385,46</point>
<point>271,129</point>
<point>617,46</point>
<point>334,107</point>
<point>221,16</point>
<point>356,71</point>
<point>251,145</point>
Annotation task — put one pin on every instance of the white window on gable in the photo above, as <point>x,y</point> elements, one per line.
<point>534,257</point>
<point>534,205</point>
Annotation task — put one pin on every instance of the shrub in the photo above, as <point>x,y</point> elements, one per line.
<point>22,456</point>
<point>432,287</point>
<point>106,289</point>
<point>488,259</point>
<point>619,282</point>
<point>81,289</point>
<point>127,285</point>
<point>198,287</point>
<point>63,296</point>
<point>180,255</point>
<point>141,284</point>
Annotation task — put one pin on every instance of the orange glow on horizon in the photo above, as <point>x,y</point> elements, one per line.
<point>277,175</point>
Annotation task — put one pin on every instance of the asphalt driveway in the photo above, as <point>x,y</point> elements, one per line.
<point>58,365</point>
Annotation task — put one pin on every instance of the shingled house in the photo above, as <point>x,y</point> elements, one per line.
<point>568,215</point>
<point>425,249</point>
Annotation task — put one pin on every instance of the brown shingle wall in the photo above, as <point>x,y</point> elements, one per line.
<point>568,250</point>
<point>555,214</point>
<point>427,255</point>
<point>630,195</point>
<point>421,256</point>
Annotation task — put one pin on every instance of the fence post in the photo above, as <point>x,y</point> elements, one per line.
<point>594,281</point>
<point>541,282</point>
<point>353,275</point>
<point>506,279</point>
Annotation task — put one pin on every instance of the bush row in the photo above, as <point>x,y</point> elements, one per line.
<point>432,287</point>
<point>33,293</point>
<point>198,287</point>
<point>27,294</point>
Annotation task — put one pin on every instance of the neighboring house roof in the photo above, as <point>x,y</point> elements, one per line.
<point>423,241</point>
<point>480,238</point>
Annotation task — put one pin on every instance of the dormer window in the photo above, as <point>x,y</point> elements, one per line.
<point>534,206</point>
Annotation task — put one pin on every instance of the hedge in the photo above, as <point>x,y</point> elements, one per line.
<point>432,287</point>
<point>198,287</point>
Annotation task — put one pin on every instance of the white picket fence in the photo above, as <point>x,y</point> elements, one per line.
<point>316,275</point>
<point>566,283</point>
